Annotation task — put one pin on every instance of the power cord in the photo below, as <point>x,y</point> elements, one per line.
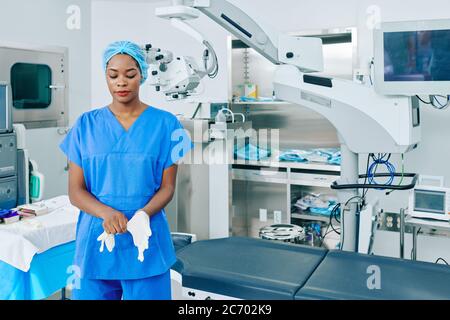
<point>333,215</point>
<point>330,224</point>
<point>417,233</point>
<point>381,160</point>
<point>214,71</point>
<point>196,111</point>
<point>361,202</point>
<point>435,103</point>
<point>365,179</point>
<point>441,259</point>
<point>421,100</point>
<point>440,105</point>
<point>403,175</point>
<point>372,62</point>
<point>325,235</point>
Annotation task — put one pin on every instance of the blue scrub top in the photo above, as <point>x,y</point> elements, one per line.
<point>124,169</point>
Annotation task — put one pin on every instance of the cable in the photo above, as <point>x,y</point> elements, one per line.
<point>333,212</point>
<point>403,170</point>
<point>441,259</point>
<point>370,71</point>
<point>196,111</point>
<point>403,175</point>
<point>417,233</point>
<point>441,106</point>
<point>341,245</point>
<point>423,100</point>
<point>229,112</point>
<point>214,70</point>
<point>336,217</point>
<point>330,224</point>
<point>343,216</point>
<point>435,103</point>
<point>365,179</point>
<point>382,159</point>
<point>325,235</point>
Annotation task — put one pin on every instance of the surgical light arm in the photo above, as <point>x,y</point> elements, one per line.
<point>304,52</point>
<point>179,78</point>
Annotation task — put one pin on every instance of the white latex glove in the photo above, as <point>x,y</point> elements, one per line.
<point>139,227</point>
<point>108,239</point>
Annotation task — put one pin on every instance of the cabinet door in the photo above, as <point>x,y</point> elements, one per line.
<point>38,85</point>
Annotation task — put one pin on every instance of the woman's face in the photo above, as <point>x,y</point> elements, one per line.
<point>124,78</point>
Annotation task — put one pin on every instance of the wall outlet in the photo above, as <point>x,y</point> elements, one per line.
<point>277,217</point>
<point>263,215</point>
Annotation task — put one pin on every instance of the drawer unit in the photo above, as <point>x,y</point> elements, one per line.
<point>313,178</point>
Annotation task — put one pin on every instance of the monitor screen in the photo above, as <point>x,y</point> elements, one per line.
<point>417,56</point>
<point>429,201</point>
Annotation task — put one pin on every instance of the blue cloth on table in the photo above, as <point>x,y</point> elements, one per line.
<point>316,204</point>
<point>335,158</point>
<point>251,153</point>
<point>329,156</point>
<point>291,156</point>
<point>48,274</point>
<point>323,211</point>
<point>260,99</point>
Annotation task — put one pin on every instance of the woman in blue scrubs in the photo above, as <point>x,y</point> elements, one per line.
<point>123,161</point>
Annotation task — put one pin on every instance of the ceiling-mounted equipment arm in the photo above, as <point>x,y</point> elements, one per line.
<point>179,78</point>
<point>303,52</point>
<point>241,26</point>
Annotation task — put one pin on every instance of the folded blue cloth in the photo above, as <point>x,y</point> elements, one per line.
<point>251,153</point>
<point>260,99</point>
<point>292,157</point>
<point>323,211</point>
<point>330,156</point>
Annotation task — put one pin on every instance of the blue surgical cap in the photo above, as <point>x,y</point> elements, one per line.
<point>131,49</point>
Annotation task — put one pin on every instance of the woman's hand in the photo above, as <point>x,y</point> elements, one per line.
<point>115,222</point>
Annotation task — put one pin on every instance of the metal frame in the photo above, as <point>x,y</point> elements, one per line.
<point>9,122</point>
<point>417,224</point>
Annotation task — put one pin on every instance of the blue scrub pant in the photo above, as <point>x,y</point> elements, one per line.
<point>154,288</point>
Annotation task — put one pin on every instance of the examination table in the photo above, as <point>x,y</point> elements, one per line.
<point>254,269</point>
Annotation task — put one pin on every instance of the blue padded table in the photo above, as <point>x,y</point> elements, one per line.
<point>247,268</point>
<point>344,276</point>
<point>47,274</point>
<point>181,240</point>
